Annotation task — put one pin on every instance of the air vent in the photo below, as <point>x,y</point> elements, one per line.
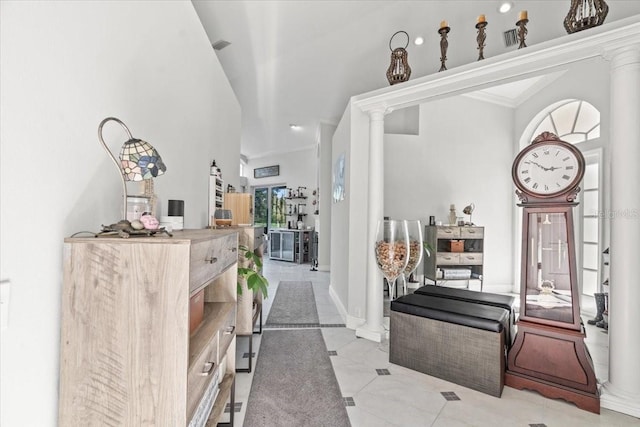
<point>510,37</point>
<point>220,44</point>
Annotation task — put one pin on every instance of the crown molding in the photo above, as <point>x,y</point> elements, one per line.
<point>512,66</point>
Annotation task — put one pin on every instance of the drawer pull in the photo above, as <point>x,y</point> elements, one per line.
<point>211,260</point>
<point>471,231</point>
<point>207,369</point>
<point>448,231</point>
<point>229,330</point>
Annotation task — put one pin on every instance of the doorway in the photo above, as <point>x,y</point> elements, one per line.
<point>269,207</point>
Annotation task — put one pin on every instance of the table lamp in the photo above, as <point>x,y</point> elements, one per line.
<point>138,160</point>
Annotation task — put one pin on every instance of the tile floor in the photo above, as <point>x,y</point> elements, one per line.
<point>377,393</point>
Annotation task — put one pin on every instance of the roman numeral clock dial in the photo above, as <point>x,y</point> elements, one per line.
<point>547,168</point>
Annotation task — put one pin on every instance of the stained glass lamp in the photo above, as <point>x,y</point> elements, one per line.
<point>138,160</point>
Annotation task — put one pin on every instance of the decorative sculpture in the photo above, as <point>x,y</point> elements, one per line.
<point>585,14</point>
<point>399,70</point>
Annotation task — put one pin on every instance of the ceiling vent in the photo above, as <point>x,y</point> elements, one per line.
<point>220,44</point>
<point>510,37</point>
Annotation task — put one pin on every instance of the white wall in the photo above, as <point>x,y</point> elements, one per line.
<point>297,169</point>
<point>325,137</point>
<point>449,163</point>
<point>339,253</point>
<point>64,67</point>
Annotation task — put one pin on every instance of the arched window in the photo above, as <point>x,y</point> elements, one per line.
<point>573,121</point>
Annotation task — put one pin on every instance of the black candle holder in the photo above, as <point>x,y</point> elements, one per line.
<point>444,44</point>
<point>522,32</point>
<point>482,37</point>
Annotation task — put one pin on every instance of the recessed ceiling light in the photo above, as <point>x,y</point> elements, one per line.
<point>294,126</point>
<point>505,6</point>
<point>220,44</point>
<point>418,41</point>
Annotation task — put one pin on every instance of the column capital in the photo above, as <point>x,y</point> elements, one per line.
<point>622,55</point>
<point>378,113</point>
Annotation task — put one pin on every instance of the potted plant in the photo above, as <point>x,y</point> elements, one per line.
<point>250,270</point>
<point>252,287</point>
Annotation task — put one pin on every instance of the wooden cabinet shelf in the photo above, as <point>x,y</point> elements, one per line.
<point>216,315</point>
<point>126,353</point>
<point>216,196</point>
<point>226,390</point>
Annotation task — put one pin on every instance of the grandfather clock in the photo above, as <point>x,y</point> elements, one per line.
<point>549,354</point>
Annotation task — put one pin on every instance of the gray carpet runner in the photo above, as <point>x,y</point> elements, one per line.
<point>294,383</point>
<point>294,304</point>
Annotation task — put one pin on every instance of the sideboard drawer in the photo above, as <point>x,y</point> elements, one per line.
<point>448,232</point>
<point>201,372</point>
<point>468,258</point>
<point>447,258</point>
<point>226,333</point>
<point>471,232</point>
<point>210,258</point>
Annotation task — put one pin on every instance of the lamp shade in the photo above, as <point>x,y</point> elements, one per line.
<point>139,161</point>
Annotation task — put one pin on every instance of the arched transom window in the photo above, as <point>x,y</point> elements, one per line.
<point>573,121</point>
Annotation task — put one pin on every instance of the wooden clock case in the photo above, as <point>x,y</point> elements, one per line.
<point>549,354</point>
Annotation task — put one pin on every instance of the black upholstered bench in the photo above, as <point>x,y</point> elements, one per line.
<point>485,298</point>
<point>458,341</point>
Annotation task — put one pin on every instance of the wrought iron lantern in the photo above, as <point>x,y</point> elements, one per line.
<point>399,70</point>
<point>585,14</point>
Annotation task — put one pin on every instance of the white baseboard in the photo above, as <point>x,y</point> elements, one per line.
<point>354,322</point>
<point>611,398</point>
<point>336,300</point>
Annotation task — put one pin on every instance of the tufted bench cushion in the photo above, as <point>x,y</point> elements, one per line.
<point>484,298</point>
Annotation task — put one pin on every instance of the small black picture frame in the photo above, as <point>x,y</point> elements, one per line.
<point>266,171</point>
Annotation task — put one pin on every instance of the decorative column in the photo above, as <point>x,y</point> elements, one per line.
<point>373,328</point>
<point>622,390</point>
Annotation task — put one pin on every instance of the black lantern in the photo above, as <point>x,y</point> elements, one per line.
<point>399,70</point>
<point>585,14</point>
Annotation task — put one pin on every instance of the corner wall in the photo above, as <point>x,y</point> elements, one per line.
<point>65,66</point>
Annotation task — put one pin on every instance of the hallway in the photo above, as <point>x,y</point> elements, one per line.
<point>378,393</point>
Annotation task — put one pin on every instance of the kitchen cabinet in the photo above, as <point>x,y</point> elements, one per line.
<point>241,207</point>
<point>291,245</point>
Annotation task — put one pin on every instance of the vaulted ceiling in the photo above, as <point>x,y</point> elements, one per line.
<point>299,61</point>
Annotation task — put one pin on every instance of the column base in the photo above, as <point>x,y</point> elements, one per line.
<point>376,335</point>
<point>616,400</point>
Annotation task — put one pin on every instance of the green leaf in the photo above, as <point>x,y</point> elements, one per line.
<point>427,248</point>
<point>255,281</point>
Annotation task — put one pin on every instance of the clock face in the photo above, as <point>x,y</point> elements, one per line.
<point>548,168</point>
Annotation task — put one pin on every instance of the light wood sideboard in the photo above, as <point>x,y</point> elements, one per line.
<point>127,357</point>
